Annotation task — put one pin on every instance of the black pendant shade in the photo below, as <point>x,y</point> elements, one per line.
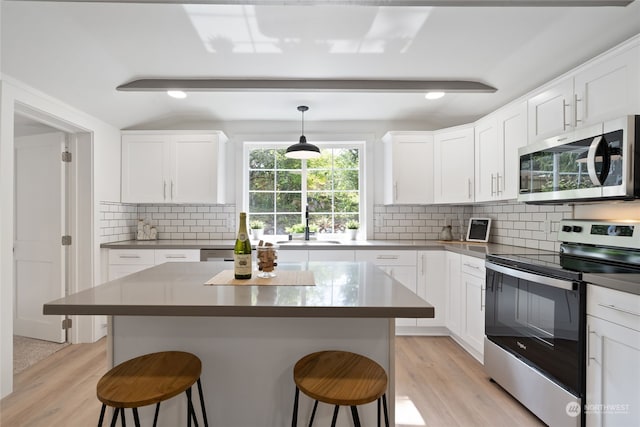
<point>302,150</point>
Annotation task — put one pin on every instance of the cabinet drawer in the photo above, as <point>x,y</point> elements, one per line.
<point>131,256</point>
<point>176,255</point>
<point>388,257</point>
<point>615,306</point>
<point>472,266</point>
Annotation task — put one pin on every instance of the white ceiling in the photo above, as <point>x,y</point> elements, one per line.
<point>80,52</point>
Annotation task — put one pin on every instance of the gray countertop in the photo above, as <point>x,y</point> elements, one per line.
<point>466,248</point>
<point>621,282</point>
<point>343,289</point>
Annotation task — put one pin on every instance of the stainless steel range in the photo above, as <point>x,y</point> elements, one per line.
<point>535,315</point>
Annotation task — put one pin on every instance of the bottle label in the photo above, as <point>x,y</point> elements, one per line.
<point>242,264</point>
<point>242,236</point>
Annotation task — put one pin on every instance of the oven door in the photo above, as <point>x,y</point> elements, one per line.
<point>540,320</point>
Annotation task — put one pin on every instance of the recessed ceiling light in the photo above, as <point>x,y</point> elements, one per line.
<point>176,94</point>
<point>434,95</point>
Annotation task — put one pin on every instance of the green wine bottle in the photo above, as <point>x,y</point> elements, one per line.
<point>242,251</point>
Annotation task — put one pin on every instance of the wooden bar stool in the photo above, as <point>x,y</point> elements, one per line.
<point>340,378</point>
<point>148,379</point>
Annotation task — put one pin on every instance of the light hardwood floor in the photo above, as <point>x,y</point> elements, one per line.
<point>434,376</point>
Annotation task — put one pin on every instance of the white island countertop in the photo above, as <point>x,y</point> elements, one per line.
<point>342,289</point>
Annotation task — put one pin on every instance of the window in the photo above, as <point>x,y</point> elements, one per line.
<point>280,188</point>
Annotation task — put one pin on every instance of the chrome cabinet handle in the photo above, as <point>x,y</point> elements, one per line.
<point>492,180</point>
<point>164,190</point>
<point>498,190</point>
<point>482,292</point>
<point>129,256</point>
<point>475,267</point>
<point>469,186</point>
<point>171,189</point>
<point>622,310</point>
<point>175,256</point>
<point>565,125</point>
<point>591,335</point>
<point>575,109</point>
<point>395,191</point>
<point>387,257</point>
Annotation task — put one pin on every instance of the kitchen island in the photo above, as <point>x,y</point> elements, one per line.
<point>249,337</point>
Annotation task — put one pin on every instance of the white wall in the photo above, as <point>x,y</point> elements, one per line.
<point>98,180</point>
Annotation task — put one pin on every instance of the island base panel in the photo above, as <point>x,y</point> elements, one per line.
<point>247,363</point>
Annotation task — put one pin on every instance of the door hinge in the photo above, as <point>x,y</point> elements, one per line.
<point>66,156</point>
<point>66,323</point>
<point>66,240</point>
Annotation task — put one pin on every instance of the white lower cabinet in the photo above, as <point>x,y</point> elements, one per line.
<point>123,262</point>
<point>400,264</point>
<point>472,282</point>
<point>613,358</point>
<point>465,282</point>
<point>432,287</point>
<point>332,255</point>
<point>452,280</point>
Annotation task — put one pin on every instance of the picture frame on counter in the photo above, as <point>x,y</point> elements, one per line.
<point>478,230</point>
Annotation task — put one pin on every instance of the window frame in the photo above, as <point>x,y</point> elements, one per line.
<point>358,143</point>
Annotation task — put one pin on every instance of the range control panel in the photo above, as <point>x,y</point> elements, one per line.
<point>624,234</point>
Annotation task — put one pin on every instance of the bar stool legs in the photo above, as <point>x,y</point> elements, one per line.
<point>340,378</point>
<point>381,402</point>
<point>148,379</point>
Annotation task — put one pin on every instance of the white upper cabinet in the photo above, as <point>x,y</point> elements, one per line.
<point>163,167</point>
<point>609,88</point>
<point>604,89</point>
<point>453,167</point>
<point>487,162</point>
<point>497,140</point>
<point>550,111</point>
<point>408,168</point>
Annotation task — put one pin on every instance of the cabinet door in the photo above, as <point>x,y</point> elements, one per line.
<point>194,171</point>
<point>512,134</point>
<point>407,276</point>
<point>453,166</point>
<point>331,255</point>
<point>453,292</point>
<point>472,324</point>
<point>120,270</point>
<point>431,285</point>
<point>613,370</point>
<point>550,112</point>
<point>144,169</point>
<point>487,154</point>
<point>409,169</point>
<point>608,89</point>
<point>293,255</point>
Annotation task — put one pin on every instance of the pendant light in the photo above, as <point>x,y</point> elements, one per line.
<point>303,150</point>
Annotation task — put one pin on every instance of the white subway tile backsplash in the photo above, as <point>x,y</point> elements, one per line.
<point>119,221</point>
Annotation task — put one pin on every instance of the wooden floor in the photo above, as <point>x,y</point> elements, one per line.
<point>437,384</point>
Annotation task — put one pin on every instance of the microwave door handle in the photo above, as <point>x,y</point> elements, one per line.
<point>591,161</point>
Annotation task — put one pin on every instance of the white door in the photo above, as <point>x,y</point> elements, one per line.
<point>39,224</point>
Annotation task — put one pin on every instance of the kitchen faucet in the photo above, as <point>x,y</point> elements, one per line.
<point>306,227</point>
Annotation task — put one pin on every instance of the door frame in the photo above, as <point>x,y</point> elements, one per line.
<point>79,205</point>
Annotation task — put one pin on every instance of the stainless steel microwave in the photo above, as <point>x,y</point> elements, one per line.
<point>598,162</point>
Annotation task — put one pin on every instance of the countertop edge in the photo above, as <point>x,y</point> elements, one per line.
<point>234,311</point>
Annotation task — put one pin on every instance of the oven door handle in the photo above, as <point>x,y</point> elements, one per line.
<point>543,280</point>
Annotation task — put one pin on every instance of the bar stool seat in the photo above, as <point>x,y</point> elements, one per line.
<point>340,378</point>
<point>148,379</point>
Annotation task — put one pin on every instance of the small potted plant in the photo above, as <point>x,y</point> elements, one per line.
<point>257,229</point>
<point>352,229</point>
